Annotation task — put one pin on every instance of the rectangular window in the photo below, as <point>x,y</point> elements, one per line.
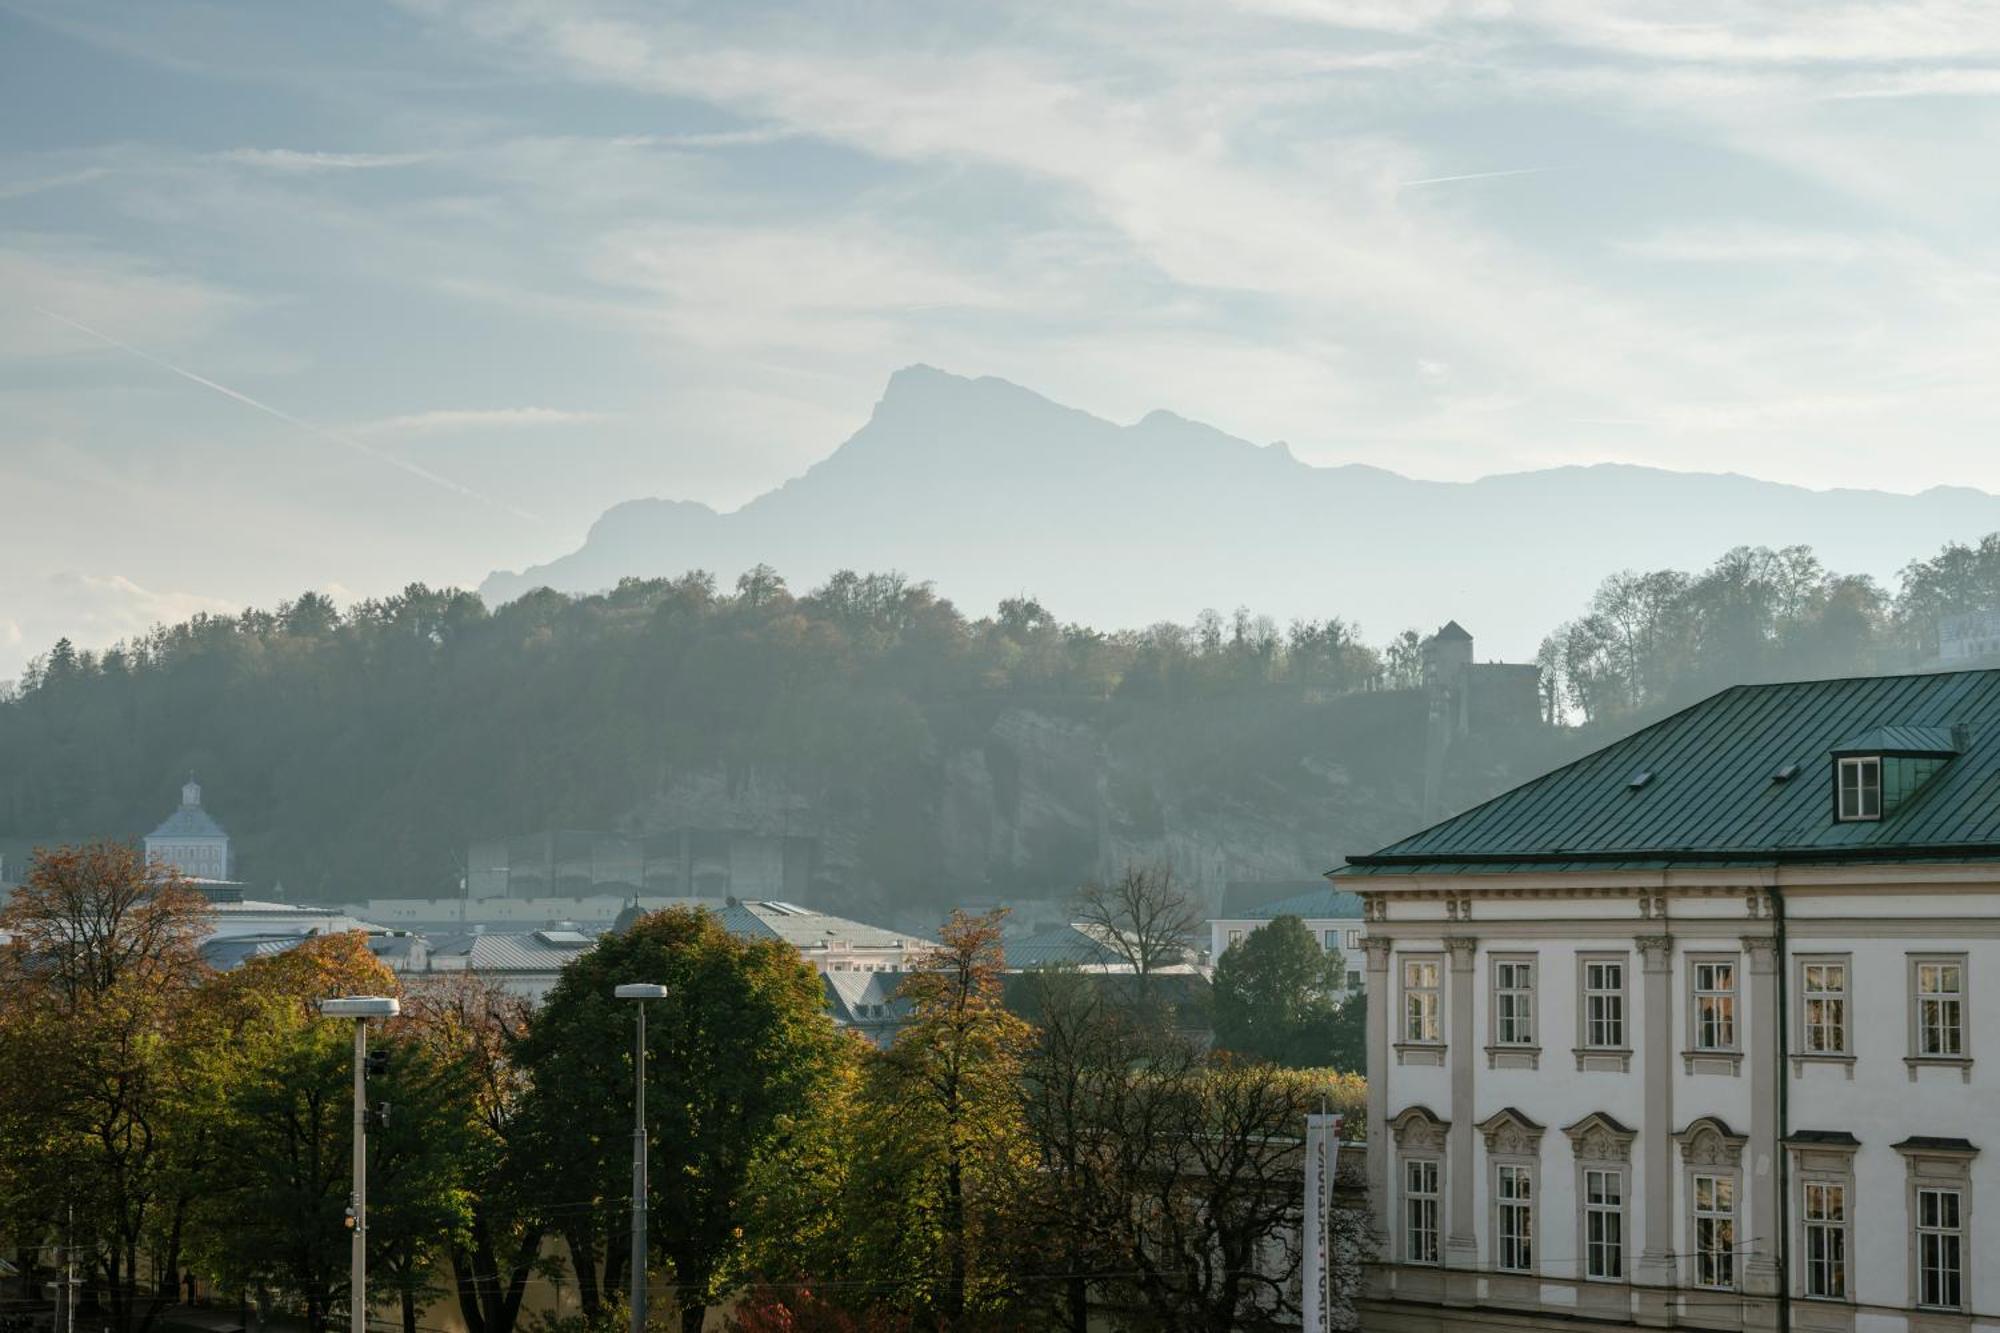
<point>1354,938</point>
<point>1604,1002</point>
<point>1514,1196</point>
<point>1353,980</point>
<point>1420,999</point>
<point>1826,1240</point>
<point>1714,1006</point>
<point>1941,1008</point>
<point>1513,1002</point>
<point>1940,1249</point>
<point>1823,994</point>
<point>1715,1231</point>
<point>1236,937</point>
<point>1603,1223</point>
<point>1860,789</point>
<point>1420,1212</point>
<point>1332,938</point>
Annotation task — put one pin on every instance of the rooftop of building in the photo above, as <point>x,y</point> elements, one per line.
<point>1323,903</point>
<point>190,820</point>
<point>803,928</point>
<point>1744,776</point>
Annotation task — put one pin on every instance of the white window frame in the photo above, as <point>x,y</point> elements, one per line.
<point>1712,1004</point>
<point>1352,938</point>
<point>1826,1010</point>
<point>1516,1194</point>
<point>1422,1025</point>
<point>1715,1253</point>
<point>1945,1235</point>
<point>1929,1009</point>
<point>1590,1035</point>
<point>1602,1215</point>
<point>1235,938</point>
<point>1422,1245</point>
<point>1826,1222</point>
<point>1858,810</point>
<point>1513,999</point>
<point>1330,940</point>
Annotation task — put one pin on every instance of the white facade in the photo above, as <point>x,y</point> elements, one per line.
<point>1724,1096</point>
<point>190,841</point>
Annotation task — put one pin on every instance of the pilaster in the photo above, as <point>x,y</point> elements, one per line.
<point>1461,1247</point>
<point>1380,1003</point>
<point>1655,1268</point>
<point>1760,1265</point>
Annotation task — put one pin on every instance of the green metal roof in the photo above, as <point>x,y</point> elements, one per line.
<point>1323,904</point>
<point>1901,741</point>
<point>1713,796</point>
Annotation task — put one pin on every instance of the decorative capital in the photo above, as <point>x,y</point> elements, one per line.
<point>1461,948</point>
<point>1655,951</point>
<point>1763,951</point>
<point>1377,947</point>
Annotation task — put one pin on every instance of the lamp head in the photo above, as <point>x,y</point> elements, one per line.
<point>360,1006</point>
<point>638,990</point>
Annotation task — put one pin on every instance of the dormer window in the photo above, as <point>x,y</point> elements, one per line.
<point>1860,789</point>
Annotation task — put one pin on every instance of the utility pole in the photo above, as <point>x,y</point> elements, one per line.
<point>360,1008</point>
<point>641,992</point>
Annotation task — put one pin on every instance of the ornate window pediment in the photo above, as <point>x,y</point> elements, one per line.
<point>1599,1138</point>
<point>1417,1129</point>
<point>1709,1141</point>
<point>1508,1131</point>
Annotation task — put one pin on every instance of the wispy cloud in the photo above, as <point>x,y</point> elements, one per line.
<point>299,161</point>
<point>445,421</point>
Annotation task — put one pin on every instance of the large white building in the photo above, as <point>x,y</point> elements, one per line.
<point>1694,1032</point>
<point>189,840</point>
<point>1333,918</point>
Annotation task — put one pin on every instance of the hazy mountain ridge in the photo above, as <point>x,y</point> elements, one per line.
<point>992,490</point>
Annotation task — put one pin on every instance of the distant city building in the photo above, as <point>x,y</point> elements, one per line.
<point>829,943</point>
<point>867,1003</point>
<point>1334,918</point>
<point>189,840</point>
<point>595,912</point>
<point>526,963</point>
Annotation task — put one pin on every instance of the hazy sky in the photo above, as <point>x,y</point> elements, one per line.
<point>504,265</point>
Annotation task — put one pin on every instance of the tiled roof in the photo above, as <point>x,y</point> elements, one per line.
<point>1716,790</point>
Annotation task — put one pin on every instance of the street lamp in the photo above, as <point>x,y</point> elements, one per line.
<point>642,992</point>
<point>360,1008</point>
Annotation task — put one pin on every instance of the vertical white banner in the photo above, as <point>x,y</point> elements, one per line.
<point>1316,1277</point>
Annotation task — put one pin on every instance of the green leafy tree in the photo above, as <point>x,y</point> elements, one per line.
<point>1276,996</point>
<point>738,1053</point>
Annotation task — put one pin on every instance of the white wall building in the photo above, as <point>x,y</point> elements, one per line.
<point>1692,1032</point>
<point>1333,916</point>
<point>189,840</point>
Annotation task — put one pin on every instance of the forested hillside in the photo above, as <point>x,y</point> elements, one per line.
<point>937,758</point>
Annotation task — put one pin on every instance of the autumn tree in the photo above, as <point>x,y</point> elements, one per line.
<point>271,1213</point>
<point>738,1053</point>
<point>945,1158</point>
<point>96,1000</point>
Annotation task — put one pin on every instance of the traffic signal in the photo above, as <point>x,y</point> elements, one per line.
<point>376,1063</point>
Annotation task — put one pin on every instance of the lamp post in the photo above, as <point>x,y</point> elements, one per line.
<point>641,992</point>
<point>360,1008</point>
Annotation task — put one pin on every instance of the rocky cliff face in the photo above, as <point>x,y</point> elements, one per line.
<point>1034,803</point>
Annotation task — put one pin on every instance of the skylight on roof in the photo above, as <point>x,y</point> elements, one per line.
<point>1639,779</point>
<point>1784,773</point>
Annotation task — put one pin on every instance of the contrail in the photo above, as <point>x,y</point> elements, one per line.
<point>336,437</point>
<point>1476,176</point>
